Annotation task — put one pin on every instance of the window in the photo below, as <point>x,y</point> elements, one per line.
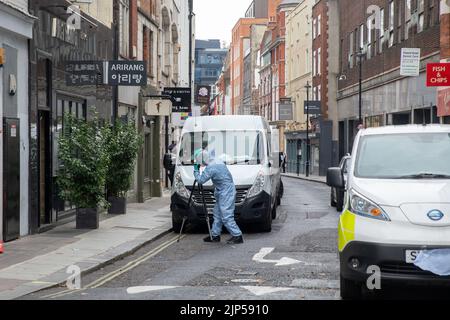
<point>420,11</point>
<point>350,51</point>
<point>42,82</point>
<point>65,105</point>
<point>314,28</point>
<point>361,36</point>
<point>319,18</point>
<point>314,63</point>
<point>391,23</point>
<point>369,39</point>
<point>407,18</point>
<point>124,27</point>
<point>381,31</point>
<point>318,61</point>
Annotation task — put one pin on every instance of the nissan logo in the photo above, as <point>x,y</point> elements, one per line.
<point>435,215</point>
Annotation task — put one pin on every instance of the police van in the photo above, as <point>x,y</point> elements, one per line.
<point>397,209</point>
<point>249,147</point>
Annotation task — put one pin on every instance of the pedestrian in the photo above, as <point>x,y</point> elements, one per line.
<point>172,146</point>
<point>283,161</point>
<point>225,194</point>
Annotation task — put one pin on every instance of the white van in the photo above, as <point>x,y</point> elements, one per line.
<point>244,143</point>
<point>397,205</point>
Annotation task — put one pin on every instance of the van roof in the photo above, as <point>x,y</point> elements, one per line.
<point>221,123</point>
<point>434,128</point>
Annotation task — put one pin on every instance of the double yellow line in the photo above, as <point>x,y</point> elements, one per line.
<point>116,273</point>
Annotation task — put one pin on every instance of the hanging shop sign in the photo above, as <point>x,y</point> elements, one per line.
<point>112,73</point>
<point>181,99</point>
<point>438,74</point>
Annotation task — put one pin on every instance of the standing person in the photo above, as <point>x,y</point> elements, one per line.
<point>283,161</point>
<point>225,194</point>
<point>172,146</point>
<point>170,165</point>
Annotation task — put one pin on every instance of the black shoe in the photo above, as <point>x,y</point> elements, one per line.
<point>209,240</point>
<point>236,240</point>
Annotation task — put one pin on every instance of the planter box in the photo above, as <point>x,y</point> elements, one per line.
<point>87,218</point>
<point>118,205</point>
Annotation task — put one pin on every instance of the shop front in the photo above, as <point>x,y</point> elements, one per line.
<point>51,99</point>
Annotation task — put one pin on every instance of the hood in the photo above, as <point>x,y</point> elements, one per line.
<point>418,199</point>
<point>243,175</point>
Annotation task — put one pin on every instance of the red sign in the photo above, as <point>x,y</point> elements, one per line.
<point>444,102</point>
<point>438,74</point>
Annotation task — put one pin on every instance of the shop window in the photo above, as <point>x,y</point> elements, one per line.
<point>65,105</point>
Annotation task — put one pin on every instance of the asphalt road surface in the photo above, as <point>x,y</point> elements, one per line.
<point>298,260</point>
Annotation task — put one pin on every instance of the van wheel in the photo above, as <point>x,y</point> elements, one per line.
<point>350,290</point>
<point>266,226</point>
<point>176,225</point>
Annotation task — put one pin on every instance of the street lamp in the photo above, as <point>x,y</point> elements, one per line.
<point>360,56</point>
<point>307,87</point>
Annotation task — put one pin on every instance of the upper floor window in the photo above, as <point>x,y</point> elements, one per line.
<point>407,18</point>
<point>391,23</point>
<point>421,16</point>
<point>319,19</point>
<point>124,27</point>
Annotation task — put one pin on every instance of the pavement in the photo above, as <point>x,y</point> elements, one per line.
<point>40,261</point>
<point>304,177</point>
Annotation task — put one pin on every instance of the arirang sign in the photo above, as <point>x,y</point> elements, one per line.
<point>127,73</point>
<point>113,73</point>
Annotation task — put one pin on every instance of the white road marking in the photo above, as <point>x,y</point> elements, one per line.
<point>246,280</point>
<point>260,291</point>
<point>259,257</point>
<point>137,290</point>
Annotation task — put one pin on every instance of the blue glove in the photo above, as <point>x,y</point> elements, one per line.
<point>196,167</point>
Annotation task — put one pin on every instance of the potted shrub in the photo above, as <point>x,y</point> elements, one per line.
<point>84,165</point>
<point>123,144</point>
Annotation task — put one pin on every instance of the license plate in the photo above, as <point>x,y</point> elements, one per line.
<point>411,255</point>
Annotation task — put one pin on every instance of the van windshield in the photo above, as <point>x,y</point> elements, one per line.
<point>404,156</point>
<point>232,147</point>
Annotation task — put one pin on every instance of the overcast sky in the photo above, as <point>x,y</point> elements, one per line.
<point>216,18</point>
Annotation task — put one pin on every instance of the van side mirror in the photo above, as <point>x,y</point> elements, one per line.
<point>335,178</point>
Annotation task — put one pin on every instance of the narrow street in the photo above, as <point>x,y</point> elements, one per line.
<point>305,230</point>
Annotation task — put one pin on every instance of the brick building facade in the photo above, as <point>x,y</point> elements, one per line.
<point>387,97</point>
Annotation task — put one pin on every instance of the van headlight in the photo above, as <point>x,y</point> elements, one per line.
<point>179,187</point>
<point>258,186</point>
<point>362,206</point>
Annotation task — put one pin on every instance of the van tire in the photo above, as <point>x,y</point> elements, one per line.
<point>266,225</point>
<point>350,290</point>
<point>274,211</point>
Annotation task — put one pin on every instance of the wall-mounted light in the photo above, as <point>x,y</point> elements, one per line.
<point>12,84</point>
